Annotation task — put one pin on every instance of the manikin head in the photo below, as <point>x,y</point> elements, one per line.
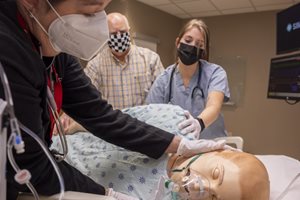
<point>225,175</point>
<point>119,42</point>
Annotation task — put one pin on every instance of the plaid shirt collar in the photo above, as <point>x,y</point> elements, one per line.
<point>129,53</point>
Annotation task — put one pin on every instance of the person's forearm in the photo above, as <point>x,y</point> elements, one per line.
<point>209,115</point>
<point>172,148</point>
<point>212,109</point>
<point>75,127</point>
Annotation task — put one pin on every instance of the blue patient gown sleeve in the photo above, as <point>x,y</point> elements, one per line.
<point>125,171</point>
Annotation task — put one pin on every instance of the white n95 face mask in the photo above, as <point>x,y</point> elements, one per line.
<point>77,34</point>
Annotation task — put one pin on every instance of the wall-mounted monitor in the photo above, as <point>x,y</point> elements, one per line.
<point>284,78</point>
<point>288,30</point>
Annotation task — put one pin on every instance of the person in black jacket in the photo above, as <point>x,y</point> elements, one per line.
<point>38,42</point>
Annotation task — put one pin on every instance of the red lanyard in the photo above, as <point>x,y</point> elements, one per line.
<point>53,80</point>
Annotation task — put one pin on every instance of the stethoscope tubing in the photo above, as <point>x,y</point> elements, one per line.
<point>198,82</point>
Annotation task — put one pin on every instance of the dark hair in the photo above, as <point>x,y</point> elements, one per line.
<point>203,28</point>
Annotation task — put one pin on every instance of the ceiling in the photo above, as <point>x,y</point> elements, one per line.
<point>205,8</point>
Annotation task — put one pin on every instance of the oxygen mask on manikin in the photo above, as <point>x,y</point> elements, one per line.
<point>188,184</point>
<point>190,187</point>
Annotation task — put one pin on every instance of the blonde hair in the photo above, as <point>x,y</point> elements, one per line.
<point>203,28</point>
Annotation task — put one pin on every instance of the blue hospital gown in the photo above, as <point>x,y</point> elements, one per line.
<point>125,171</point>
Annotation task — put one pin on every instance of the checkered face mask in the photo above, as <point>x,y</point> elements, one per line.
<point>119,42</point>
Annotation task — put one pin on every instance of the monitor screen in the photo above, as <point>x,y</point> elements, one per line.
<point>284,78</point>
<point>288,30</point>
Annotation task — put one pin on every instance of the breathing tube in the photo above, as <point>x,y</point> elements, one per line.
<point>15,141</point>
<point>191,186</point>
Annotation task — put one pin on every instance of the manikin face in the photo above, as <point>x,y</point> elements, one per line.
<point>223,176</point>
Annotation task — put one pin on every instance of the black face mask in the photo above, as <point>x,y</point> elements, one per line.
<point>189,54</point>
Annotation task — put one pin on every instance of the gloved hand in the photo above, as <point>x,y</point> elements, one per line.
<point>190,148</point>
<point>119,196</point>
<point>190,125</point>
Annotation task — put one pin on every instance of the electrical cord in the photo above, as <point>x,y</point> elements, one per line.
<point>291,103</point>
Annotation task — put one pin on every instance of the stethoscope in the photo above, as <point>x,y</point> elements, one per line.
<point>53,108</point>
<point>197,87</point>
<point>62,136</point>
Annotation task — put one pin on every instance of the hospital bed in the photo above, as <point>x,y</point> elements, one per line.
<point>68,196</point>
<point>284,175</point>
<point>284,172</point>
<point>235,141</point>
<point>87,152</point>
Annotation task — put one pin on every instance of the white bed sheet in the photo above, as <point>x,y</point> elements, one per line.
<point>69,195</point>
<point>282,170</point>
